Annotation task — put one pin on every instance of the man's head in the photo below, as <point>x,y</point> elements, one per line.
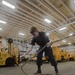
<point>34,32</point>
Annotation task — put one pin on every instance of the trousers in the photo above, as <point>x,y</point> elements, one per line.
<point>49,53</point>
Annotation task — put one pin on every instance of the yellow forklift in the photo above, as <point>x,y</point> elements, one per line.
<point>71,57</point>
<point>11,57</point>
<point>57,53</point>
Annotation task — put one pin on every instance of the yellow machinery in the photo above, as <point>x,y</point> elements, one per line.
<point>35,59</point>
<point>64,56</point>
<point>11,57</point>
<point>74,57</point>
<point>57,53</point>
<point>60,55</point>
<point>71,57</point>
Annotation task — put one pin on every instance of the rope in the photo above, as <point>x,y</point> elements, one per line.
<point>39,52</point>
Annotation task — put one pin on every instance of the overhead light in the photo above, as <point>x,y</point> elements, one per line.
<point>0,28</point>
<point>71,34</point>
<point>58,44</point>
<point>74,1</point>
<point>8,4</point>
<point>62,28</point>
<point>47,34</point>
<point>47,20</point>
<point>69,43</point>
<point>2,22</point>
<point>64,41</point>
<point>21,34</point>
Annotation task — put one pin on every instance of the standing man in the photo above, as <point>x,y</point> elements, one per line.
<point>41,39</point>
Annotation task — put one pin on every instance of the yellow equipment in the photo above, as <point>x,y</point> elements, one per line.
<point>35,59</point>
<point>71,57</point>
<point>57,53</point>
<point>74,57</point>
<point>64,56</point>
<point>11,57</point>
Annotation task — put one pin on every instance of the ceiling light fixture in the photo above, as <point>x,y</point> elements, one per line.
<point>8,4</point>
<point>71,34</point>
<point>47,34</point>
<point>62,28</point>
<point>58,44</point>
<point>47,20</point>
<point>2,22</point>
<point>64,41</point>
<point>21,34</point>
<point>0,28</point>
<point>69,43</point>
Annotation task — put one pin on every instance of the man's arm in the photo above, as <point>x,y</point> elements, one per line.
<point>31,47</point>
<point>29,50</point>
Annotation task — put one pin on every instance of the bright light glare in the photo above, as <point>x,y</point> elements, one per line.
<point>8,4</point>
<point>71,34</point>
<point>0,28</point>
<point>64,41</point>
<point>21,34</point>
<point>2,22</point>
<point>62,28</point>
<point>58,44</point>
<point>47,34</point>
<point>47,20</point>
<point>69,43</point>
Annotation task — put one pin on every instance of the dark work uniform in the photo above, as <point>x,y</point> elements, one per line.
<point>42,40</point>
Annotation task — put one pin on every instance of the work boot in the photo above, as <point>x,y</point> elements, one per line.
<point>38,72</point>
<point>56,70</point>
<point>57,73</point>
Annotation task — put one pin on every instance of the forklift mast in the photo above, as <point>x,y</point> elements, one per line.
<point>10,47</point>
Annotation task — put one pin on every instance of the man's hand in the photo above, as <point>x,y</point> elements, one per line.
<point>26,53</point>
<point>29,50</point>
<point>49,44</point>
